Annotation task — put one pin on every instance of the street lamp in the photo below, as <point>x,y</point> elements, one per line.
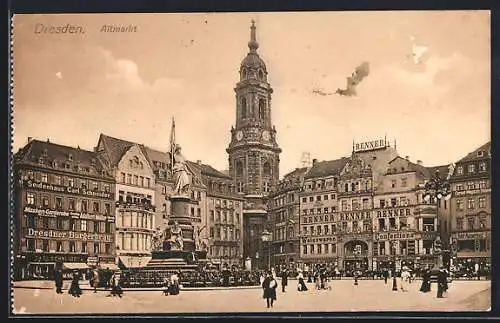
<point>437,189</point>
<point>266,237</point>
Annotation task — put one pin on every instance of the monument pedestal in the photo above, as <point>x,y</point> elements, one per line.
<point>179,206</point>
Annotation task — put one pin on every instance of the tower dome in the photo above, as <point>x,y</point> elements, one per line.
<point>252,66</point>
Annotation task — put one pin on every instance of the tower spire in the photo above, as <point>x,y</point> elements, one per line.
<point>253,44</point>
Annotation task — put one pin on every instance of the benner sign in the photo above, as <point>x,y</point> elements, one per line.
<point>70,235</point>
<point>370,145</point>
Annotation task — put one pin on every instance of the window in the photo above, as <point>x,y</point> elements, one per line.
<point>96,247</point>
<point>122,177</point>
<point>304,250</point>
<point>129,179</point>
<point>460,223</point>
<point>460,204</point>
<point>59,246</point>
<point>59,203</point>
<point>57,180</point>
<point>393,183</point>
<point>95,186</point>
<point>71,205</point>
<point>107,208</point>
<point>147,183</point>
<point>45,201</point>
<point>71,182</point>
<point>471,203</point>
<point>460,170</point>
<point>344,205</point>
<point>72,246</point>
<point>96,207</point>
<point>355,205</point>
<point>471,168</point>
<point>470,223</point>
<point>85,206</point>
<point>107,248</point>
<point>83,225</point>
<point>482,202</point>
<point>30,244</point>
<point>311,198</point>
<point>84,247</point>
<point>393,202</point>
<point>136,180</point>
<point>107,188</point>
<point>483,222</point>
<point>45,178</point>
<point>482,184</point>
<point>382,203</point>
<point>30,198</point>
<point>404,182</point>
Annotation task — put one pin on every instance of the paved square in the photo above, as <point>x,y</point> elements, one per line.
<point>367,296</point>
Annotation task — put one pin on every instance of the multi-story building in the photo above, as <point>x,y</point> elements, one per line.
<point>283,218</point>
<point>135,197</point>
<point>221,231</point>
<point>405,222</point>
<point>470,210</point>
<point>318,206</point>
<point>353,218</point>
<point>64,210</point>
<point>253,150</point>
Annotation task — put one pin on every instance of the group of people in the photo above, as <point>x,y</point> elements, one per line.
<point>172,284</point>
<point>75,289</point>
<point>442,281</point>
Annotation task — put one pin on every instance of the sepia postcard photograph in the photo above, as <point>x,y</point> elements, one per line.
<point>252,162</point>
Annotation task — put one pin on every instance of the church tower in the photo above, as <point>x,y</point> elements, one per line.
<point>253,151</point>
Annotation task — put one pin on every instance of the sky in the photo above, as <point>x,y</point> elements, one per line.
<point>428,86</point>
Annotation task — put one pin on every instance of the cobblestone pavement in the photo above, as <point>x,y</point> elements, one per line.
<point>369,295</point>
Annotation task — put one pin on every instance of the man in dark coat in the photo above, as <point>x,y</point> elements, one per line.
<point>269,286</point>
<point>58,277</point>
<point>284,280</point>
<point>386,275</point>
<point>442,281</point>
<point>75,289</point>
<point>426,281</point>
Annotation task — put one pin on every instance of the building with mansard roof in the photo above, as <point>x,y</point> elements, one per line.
<point>64,212</point>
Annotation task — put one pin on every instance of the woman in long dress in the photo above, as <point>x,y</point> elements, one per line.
<point>426,282</point>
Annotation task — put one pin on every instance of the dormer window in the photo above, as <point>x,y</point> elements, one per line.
<point>45,152</point>
<point>480,153</point>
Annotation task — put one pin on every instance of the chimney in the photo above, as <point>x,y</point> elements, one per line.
<point>48,140</point>
<point>30,139</point>
<point>198,162</point>
<point>419,162</point>
<point>407,157</point>
<point>314,161</point>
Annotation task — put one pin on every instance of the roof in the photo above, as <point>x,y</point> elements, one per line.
<point>52,152</point>
<point>327,168</point>
<point>115,148</point>
<point>474,155</point>
<point>444,170</point>
<point>296,172</point>
<point>208,170</point>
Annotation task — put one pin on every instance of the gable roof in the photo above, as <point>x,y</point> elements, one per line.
<point>115,149</point>
<point>327,168</point>
<point>473,155</point>
<point>208,170</point>
<point>297,172</point>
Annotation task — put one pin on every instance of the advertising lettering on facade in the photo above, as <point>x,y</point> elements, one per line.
<point>471,235</point>
<point>472,192</point>
<point>389,213</point>
<point>397,236</point>
<point>351,216</point>
<point>321,240</point>
<point>68,190</point>
<point>71,235</point>
<point>370,145</point>
<point>73,214</point>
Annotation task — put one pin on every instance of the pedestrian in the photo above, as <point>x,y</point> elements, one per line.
<point>75,289</point>
<point>174,284</point>
<point>269,286</point>
<point>386,275</point>
<point>442,281</point>
<point>426,281</point>
<point>302,285</point>
<point>405,274</point>
<point>116,289</point>
<point>95,279</point>
<point>284,280</point>
<point>58,278</point>
<point>356,274</point>
<point>166,287</point>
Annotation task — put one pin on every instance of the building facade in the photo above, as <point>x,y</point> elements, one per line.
<point>284,219</point>
<point>134,199</point>
<point>253,150</point>
<point>221,232</point>
<point>470,214</point>
<point>64,210</point>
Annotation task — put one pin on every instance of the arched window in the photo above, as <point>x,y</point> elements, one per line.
<point>261,75</point>
<point>353,187</point>
<point>266,168</point>
<point>239,168</point>
<point>262,108</point>
<point>244,73</point>
<point>346,187</point>
<point>243,108</point>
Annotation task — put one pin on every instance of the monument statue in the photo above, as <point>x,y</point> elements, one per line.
<point>181,178</point>
<point>176,241</point>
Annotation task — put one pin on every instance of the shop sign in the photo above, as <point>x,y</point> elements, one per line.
<point>322,240</point>
<point>471,235</point>
<point>92,261</point>
<point>397,236</point>
<point>67,189</point>
<point>370,145</point>
<point>389,213</point>
<point>472,192</point>
<point>73,214</point>
<point>429,235</point>
<point>352,216</point>
<point>71,235</point>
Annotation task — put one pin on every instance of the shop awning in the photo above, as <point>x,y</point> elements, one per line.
<point>75,265</point>
<point>134,261</point>
<point>110,266</point>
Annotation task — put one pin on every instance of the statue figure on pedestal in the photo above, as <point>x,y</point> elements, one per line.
<point>176,241</point>
<point>181,178</point>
